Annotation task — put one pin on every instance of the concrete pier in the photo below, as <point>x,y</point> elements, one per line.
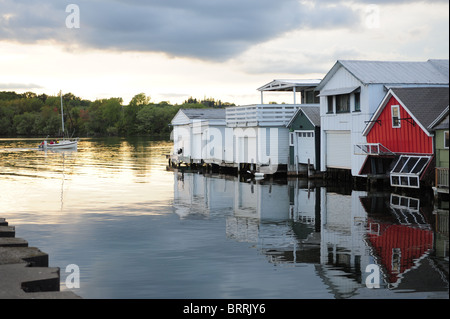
<point>24,271</point>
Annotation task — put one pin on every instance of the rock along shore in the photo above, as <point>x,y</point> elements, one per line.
<point>24,271</point>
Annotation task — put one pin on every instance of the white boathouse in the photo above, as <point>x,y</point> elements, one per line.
<point>259,136</point>
<point>197,136</point>
<point>351,92</point>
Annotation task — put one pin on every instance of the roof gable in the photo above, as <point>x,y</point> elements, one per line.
<point>180,118</point>
<point>311,112</point>
<point>441,122</point>
<point>424,104</point>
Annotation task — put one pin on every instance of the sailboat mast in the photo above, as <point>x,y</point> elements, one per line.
<point>62,113</point>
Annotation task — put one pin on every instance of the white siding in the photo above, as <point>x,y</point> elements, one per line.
<point>283,145</point>
<point>182,139</point>
<point>228,145</point>
<point>214,144</point>
<point>354,122</point>
<point>273,145</point>
<point>197,140</point>
<point>245,139</point>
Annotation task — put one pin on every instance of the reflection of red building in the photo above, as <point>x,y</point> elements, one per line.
<point>398,246</point>
<point>399,233</point>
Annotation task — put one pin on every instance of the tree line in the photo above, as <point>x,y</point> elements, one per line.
<point>29,114</point>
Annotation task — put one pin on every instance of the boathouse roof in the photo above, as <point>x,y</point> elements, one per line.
<point>204,114</point>
<point>311,112</point>
<point>441,122</point>
<point>431,72</point>
<point>187,116</point>
<point>424,103</point>
<point>289,84</point>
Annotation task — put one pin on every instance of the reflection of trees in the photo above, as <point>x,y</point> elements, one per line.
<point>120,155</point>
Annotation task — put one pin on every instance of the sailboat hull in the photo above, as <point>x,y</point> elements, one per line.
<point>60,145</point>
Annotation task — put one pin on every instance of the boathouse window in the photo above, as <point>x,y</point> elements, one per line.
<point>291,138</point>
<point>357,102</point>
<point>446,139</point>
<point>395,111</point>
<point>407,170</point>
<point>343,103</point>
<point>330,104</point>
<point>311,97</point>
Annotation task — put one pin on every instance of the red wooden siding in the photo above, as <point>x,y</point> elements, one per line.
<point>407,139</point>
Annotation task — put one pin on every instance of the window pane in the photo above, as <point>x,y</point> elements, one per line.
<point>404,201</point>
<point>420,165</point>
<point>446,139</point>
<point>395,180</point>
<point>414,181</point>
<point>414,203</point>
<point>357,102</point>
<point>399,164</point>
<point>395,200</point>
<point>404,180</point>
<point>343,103</point>
<point>395,116</point>
<point>330,104</point>
<point>410,164</point>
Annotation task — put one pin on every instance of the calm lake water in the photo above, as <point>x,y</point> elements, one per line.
<point>139,230</point>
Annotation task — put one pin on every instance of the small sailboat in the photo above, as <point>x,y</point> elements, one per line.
<point>64,143</point>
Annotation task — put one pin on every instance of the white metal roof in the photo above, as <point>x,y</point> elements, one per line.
<point>186,116</point>
<point>433,72</point>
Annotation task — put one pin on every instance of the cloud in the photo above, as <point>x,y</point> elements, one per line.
<point>205,29</point>
<point>19,86</point>
<point>215,30</point>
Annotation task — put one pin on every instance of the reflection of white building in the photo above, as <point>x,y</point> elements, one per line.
<point>343,227</point>
<point>195,194</point>
<point>255,203</point>
<point>303,203</point>
<point>262,201</point>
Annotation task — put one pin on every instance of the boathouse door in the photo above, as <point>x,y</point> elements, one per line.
<point>338,149</point>
<point>306,147</point>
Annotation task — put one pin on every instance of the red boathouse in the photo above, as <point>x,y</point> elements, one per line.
<point>399,145</point>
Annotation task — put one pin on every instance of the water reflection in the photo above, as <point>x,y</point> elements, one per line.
<point>102,175</point>
<point>138,230</point>
<point>339,232</point>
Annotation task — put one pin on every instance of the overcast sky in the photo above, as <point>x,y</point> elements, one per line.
<point>225,49</point>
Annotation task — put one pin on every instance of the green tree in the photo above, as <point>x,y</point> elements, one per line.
<point>140,99</point>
